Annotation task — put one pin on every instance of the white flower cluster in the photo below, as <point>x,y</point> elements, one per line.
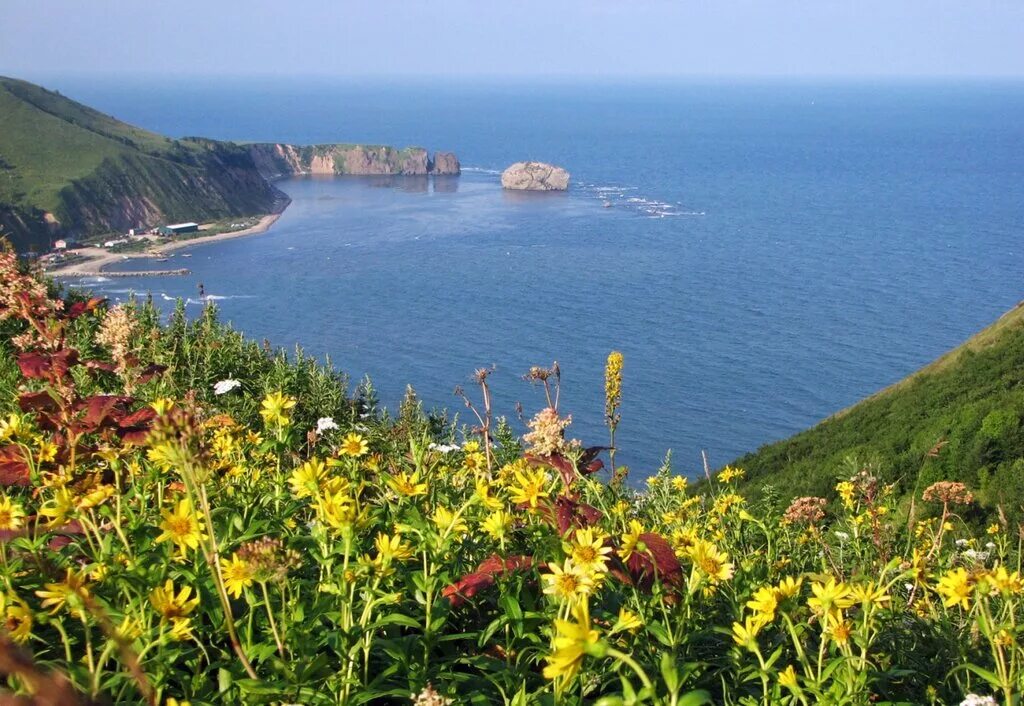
<point>325,424</point>
<point>975,700</point>
<point>976,556</point>
<point>222,387</point>
<point>443,448</point>
<point>843,536</point>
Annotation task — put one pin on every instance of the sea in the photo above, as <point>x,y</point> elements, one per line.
<point>763,252</point>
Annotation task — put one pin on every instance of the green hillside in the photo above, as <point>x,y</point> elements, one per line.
<point>958,418</point>
<point>68,169</point>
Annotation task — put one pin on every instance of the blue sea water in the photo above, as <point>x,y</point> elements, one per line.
<point>770,252</point>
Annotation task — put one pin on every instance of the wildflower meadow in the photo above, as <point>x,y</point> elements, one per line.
<point>188,516</point>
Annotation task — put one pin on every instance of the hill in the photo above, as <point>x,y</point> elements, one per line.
<point>958,418</point>
<point>69,170</point>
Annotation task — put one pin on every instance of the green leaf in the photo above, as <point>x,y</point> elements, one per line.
<point>695,698</point>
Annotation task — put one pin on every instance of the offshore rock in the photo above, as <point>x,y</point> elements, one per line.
<point>445,164</point>
<point>535,176</point>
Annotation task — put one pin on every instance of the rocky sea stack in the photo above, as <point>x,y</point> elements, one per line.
<point>535,176</point>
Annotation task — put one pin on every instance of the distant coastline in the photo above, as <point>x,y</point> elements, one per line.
<point>100,258</point>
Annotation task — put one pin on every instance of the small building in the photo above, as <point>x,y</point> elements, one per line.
<point>178,228</point>
<point>60,245</point>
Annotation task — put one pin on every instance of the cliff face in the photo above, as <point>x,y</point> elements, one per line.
<point>276,160</point>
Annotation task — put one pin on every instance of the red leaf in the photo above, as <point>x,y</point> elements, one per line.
<point>14,468</point>
<point>655,560</point>
<point>138,417</point>
<point>104,410</point>
<point>571,513</point>
<point>79,308</point>
<point>100,365</point>
<point>484,577</point>
<point>37,402</point>
<point>151,371</point>
<point>34,365</point>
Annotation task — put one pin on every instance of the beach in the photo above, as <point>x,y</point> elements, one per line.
<point>98,258</point>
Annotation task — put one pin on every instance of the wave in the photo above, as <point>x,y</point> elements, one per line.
<point>623,197</point>
<point>481,170</point>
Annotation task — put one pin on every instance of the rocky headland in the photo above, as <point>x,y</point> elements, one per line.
<point>68,171</point>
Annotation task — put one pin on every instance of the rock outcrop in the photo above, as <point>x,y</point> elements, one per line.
<point>535,176</point>
<point>278,160</point>
<point>445,164</point>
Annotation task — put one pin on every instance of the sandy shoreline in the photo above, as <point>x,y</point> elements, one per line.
<point>98,258</point>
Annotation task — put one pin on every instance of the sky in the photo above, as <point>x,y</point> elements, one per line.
<point>518,38</point>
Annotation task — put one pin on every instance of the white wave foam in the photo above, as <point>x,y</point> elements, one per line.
<point>480,170</point>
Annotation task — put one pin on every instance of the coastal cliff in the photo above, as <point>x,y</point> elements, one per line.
<point>67,170</point>
<point>279,160</point>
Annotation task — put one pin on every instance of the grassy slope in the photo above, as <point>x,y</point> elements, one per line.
<point>969,403</point>
<point>96,174</point>
<point>51,141</point>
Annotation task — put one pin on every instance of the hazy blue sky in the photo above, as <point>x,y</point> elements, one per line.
<point>522,37</point>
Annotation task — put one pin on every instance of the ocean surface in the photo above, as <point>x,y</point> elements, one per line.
<point>763,253</point>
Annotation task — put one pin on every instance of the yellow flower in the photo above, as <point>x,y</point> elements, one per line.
<point>391,548</point>
<point>612,386</point>
<point>993,528</point>
<point>47,451</point>
<point>1005,582</point>
<point>745,634</point>
<point>276,409</point>
<point>69,593</point>
<point>406,484</point>
<point>764,602</point>
<point>181,629</point>
<point>713,563</point>
<point>354,445</point>
<point>571,642</point>
<point>530,487</point>
<point>18,621</point>
<point>473,461</point>
<point>11,514</point>
<point>840,632</point>
<point>870,595</point>
<point>483,494</point>
<point>497,524</point>
<point>631,540</point>
<point>171,605</point>
<point>567,582</point>
<point>830,599</point>
<point>627,621</point>
<point>339,511</point>
<point>447,522</point>
<point>237,575</point>
<point>729,474</point>
<point>11,427</point>
<point>307,478</point>
<point>956,588</point>
<point>845,489</point>
<point>182,527</point>
<point>789,587</point>
<point>679,483</point>
<point>96,497</point>
<point>787,677</point>
<point>588,550</point>
<point>59,508</point>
